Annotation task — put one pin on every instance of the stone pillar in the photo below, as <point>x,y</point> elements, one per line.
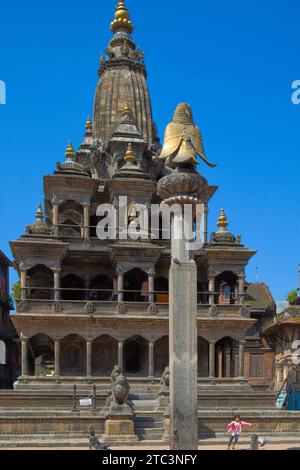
<point>89,357</point>
<point>151,358</point>
<point>212,373</point>
<point>242,288</point>
<point>86,221</point>
<point>120,287</point>
<point>57,357</point>
<point>56,273</point>
<point>241,358</point>
<point>24,351</point>
<point>23,280</point>
<point>151,287</point>
<point>227,352</point>
<point>220,363</point>
<point>205,229</point>
<point>211,288</point>
<point>183,343</point>
<point>120,353</point>
<point>55,208</point>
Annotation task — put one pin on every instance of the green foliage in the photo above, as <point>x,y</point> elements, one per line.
<point>16,291</point>
<point>292,296</point>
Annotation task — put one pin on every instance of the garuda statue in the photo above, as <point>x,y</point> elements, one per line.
<point>183,141</point>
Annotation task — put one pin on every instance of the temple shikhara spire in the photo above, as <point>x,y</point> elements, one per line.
<point>121,319</point>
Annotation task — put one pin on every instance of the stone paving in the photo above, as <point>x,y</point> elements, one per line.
<point>286,446</point>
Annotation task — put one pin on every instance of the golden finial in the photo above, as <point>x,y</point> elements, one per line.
<point>129,157</point>
<point>39,213</point>
<point>122,18</point>
<point>127,111</point>
<point>89,124</point>
<point>70,152</point>
<point>222,222</point>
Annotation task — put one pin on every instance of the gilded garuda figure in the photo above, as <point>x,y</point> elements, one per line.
<point>183,140</point>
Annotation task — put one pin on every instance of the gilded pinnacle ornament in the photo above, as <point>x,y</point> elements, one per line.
<point>122,19</point>
<point>70,152</point>
<point>89,124</point>
<point>222,222</point>
<point>130,156</point>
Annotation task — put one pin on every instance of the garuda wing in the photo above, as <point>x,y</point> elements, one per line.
<point>172,140</point>
<point>196,139</point>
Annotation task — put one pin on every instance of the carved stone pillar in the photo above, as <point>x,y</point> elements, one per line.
<point>212,373</point>
<point>242,288</point>
<point>205,229</point>
<point>55,209</point>
<point>120,353</point>
<point>151,358</point>
<point>89,357</point>
<point>23,274</point>
<point>57,357</point>
<point>151,287</point>
<point>241,358</point>
<point>211,288</point>
<point>227,359</point>
<point>120,287</point>
<point>56,273</point>
<point>86,221</point>
<point>24,351</point>
<point>220,363</point>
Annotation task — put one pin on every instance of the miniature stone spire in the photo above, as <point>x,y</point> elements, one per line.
<point>222,222</point>
<point>39,213</point>
<point>121,21</point>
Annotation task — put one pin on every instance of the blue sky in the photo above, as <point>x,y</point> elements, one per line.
<point>233,61</point>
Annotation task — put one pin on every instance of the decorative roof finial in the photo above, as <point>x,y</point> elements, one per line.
<point>89,124</point>
<point>222,222</point>
<point>39,213</point>
<point>127,111</point>
<point>129,156</point>
<point>70,152</point>
<point>122,19</point>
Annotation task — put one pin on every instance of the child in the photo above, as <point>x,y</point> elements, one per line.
<point>234,429</point>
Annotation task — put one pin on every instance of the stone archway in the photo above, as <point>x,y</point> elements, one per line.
<point>161,355</point>
<point>104,355</point>
<point>136,286</point>
<point>41,360</point>
<point>73,356</point>
<point>72,287</point>
<point>136,356</point>
<point>203,357</point>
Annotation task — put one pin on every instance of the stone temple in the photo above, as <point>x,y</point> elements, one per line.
<point>88,304</point>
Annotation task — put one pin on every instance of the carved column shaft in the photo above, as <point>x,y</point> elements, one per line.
<point>86,221</point>
<point>120,287</point>
<point>23,274</point>
<point>211,289</point>
<point>120,353</point>
<point>151,358</point>
<point>241,289</point>
<point>241,358</point>
<point>89,358</point>
<point>212,360</point>
<point>24,351</point>
<point>57,284</point>
<point>57,357</point>
<point>151,287</point>
<point>55,209</point>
